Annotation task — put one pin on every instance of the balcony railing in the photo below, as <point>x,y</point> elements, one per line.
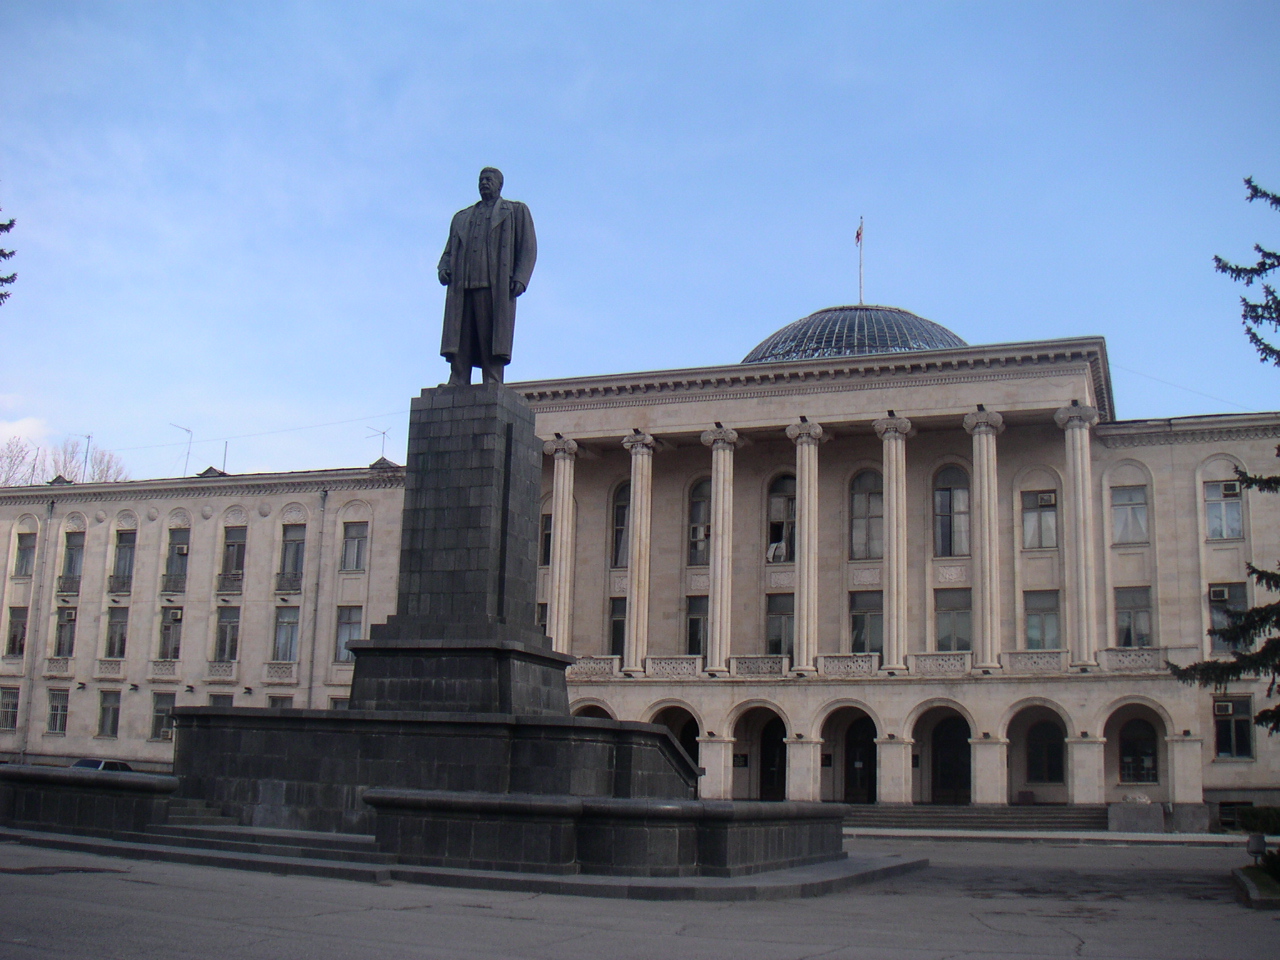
<point>173,583</point>
<point>593,668</point>
<point>69,585</point>
<point>288,583</point>
<point>1022,662</point>
<point>57,667</point>
<point>280,671</point>
<point>673,668</point>
<point>119,583</point>
<point>231,583</point>
<point>849,665</point>
<point>163,670</point>
<point>221,671</point>
<point>942,664</point>
<point>758,666</point>
<point>1132,659</point>
<point>109,669</point>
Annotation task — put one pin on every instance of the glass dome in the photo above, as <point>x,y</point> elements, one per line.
<point>851,332</point>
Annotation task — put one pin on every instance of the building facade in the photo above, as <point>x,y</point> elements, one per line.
<point>870,563</point>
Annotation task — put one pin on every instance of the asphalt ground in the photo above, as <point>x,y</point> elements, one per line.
<point>977,900</point>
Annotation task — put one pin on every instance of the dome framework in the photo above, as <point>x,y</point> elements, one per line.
<point>853,331</point>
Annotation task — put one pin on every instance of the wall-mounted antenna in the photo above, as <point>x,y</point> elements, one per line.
<point>186,464</point>
<point>381,433</point>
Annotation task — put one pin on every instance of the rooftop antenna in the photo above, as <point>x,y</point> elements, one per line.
<point>187,462</point>
<point>88,442</point>
<point>381,433</point>
<point>858,240</point>
<point>224,455</point>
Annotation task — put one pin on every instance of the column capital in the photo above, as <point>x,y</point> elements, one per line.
<point>983,421</point>
<point>1077,415</point>
<point>893,426</point>
<point>562,448</point>
<point>639,444</point>
<point>806,432</point>
<point>721,437</point>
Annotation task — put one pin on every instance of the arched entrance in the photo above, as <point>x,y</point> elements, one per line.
<point>592,711</point>
<point>760,756</point>
<point>1037,757</point>
<point>1137,757</point>
<point>942,766</point>
<point>683,725</point>
<point>849,757</point>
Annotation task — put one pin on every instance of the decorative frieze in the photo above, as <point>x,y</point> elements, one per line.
<point>673,668</point>
<point>593,668</point>
<point>944,664</point>
<point>758,666</point>
<point>1021,662</point>
<point>849,665</point>
<point>1133,660</point>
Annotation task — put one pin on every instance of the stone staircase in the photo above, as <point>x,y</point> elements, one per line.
<point>1012,818</point>
<point>185,813</point>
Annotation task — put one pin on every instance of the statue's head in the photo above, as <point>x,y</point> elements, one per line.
<point>490,183</point>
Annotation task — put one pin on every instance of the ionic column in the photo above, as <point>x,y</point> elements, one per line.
<point>1081,601</point>
<point>639,524</point>
<point>806,437</point>
<point>893,431</point>
<point>563,540</point>
<point>722,441</point>
<point>984,425</point>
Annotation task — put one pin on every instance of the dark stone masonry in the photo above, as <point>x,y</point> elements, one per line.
<point>458,749</point>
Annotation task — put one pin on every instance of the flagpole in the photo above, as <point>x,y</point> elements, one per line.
<point>860,261</point>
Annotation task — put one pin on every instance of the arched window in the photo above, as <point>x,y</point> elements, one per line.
<point>951,513</point>
<point>782,520</point>
<point>1223,510</point>
<point>700,524</point>
<point>1138,757</point>
<point>621,509</point>
<point>866,516</point>
<point>1046,750</point>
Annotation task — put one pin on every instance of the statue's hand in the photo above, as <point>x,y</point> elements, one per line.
<point>517,288</point>
<point>444,277</point>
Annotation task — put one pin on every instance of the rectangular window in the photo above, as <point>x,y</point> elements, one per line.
<point>953,611</point>
<point>162,716</point>
<point>222,699</point>
<point>617,625</point>
<point>108,713</point>
<point>1223,510</point>
<point>350,626</point>
<point>544,541</point>
<point>780,623</point>
<point>126,545</point>
<point>233,544</point>
<point>25,560</point>
<point>1233,728</point>
<point>226,647</point>
<point>1039,519</point>
<point>8,708</point>
<point>73,557</point>
<point>700,524</point>
<point>280,703</point>
<point>59,705</point>
<point>1129,514</point>
<point>1133,616</point>
<point>621,540</point>
<point>866,621</point>
<point>355,537</point>
<point>285,647</point>
<point>15,644</point>
<point>339,703</point>
<point>540,617</point>
<point>1224,600</point>
<point>170,633</point>
<point>1040,607</point>
<point>695,625</point>
<point>117,633</point>
<point>175,564</point>
<point>64,640</point>
<point>295,539</point>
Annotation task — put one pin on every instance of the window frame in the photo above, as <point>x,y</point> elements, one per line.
<point>162,716</point>
<point>866,516</point>
<point>620,520</point>
<point>1151,776</point>
<point>15,640</point>
<point>64,634</point>
<point>170,633</point>
<point>780,532</point>
<point>697,624</point>
<point>24,555</point>
<point>952,514</point>
<point>545,523</point>
<point>1127,609</point>
<point>698,551</point>
<point>1216,505</point>
<point>1034,516</point>
<point>957,616</point>
<point>617,626</point>
<point>1042,766</point>
<point>1132,511</point>
<point>866,622</point>
<point>233,551</point>
<point>73,553</point>
<point>227,634</point>
<point>1237,727</point>
<point>58,700</point>
<point>109,714</point>
<point>1237,602</point>
<point>779,624</point>
<point>290,636</point>
<point>10,700</point>
<point>117,641</point>
<point>340,652</point>
<point>357,545</point>
<point>1046,619</point>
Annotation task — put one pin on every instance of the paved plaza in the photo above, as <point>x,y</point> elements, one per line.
<point>978,900</point>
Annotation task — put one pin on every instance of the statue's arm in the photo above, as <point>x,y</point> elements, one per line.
<point>526,250</point>
<point>444,269</point>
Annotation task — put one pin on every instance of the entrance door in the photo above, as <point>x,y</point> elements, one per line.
<point>773,761</point>
<point>951,777</point>
<point>860,762</point>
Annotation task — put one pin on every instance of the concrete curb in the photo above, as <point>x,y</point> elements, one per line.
<point>1100,838</point>
<point>1250,896</point>
<point>810,881</point>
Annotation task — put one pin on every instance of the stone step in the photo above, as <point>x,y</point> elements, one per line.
<point>980,818</point>
<point>202,819</point>
<point>356,843</point>
<point>188,838</point>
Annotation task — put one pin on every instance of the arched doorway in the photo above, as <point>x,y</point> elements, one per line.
<point>683,725</point>
<point>760,756</point>
<point>1037,756</point>
<point>942,764</point>
<point>849,757</point>
<point>1137,758</point>
<point>592,711</point>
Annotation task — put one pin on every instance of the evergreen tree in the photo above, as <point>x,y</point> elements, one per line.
<point>5,227</point>
<point>1254,634</point>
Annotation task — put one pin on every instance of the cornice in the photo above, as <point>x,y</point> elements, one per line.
<point>1168,432</point>
<point>253,485</point>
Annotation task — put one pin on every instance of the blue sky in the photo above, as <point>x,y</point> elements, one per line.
<point>229,213</point>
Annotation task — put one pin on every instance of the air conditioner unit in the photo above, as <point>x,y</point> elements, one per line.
<point>166,733</point>
<point>181,549</point>
<point>173,615</point>
<point>1047,500</point>
<point>1217,593</point>
<point>1223,708</point>
<point>1231,489</point>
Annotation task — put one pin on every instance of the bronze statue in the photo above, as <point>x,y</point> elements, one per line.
<point>486,264</point>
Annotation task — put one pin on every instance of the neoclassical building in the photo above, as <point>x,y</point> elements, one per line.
<point>869,563</point>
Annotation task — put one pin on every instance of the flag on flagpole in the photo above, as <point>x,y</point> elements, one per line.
<point>858,238</point>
